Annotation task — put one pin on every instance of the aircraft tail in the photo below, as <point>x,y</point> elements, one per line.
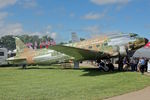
<point>20,46</point>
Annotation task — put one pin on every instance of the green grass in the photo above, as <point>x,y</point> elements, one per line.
<point>66,84</point>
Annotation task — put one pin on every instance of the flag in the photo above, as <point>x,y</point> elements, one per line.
<point>48,43</point>
<point>29,45</point>
<point>41,45</point>
<point>53,43</point>
<point>46,46</point>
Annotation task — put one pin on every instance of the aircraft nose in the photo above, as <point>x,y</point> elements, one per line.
<point>138,43</point>
<point>146,40</point>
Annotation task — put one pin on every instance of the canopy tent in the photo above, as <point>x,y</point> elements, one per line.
<point>143,52</point>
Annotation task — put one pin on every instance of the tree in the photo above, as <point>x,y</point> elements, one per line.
<point>70,41</point>
<point>62,43</point>
<point>8,42</point>
<point>46,38</point>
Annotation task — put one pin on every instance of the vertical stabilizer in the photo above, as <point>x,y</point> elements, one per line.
<point>20,46</point>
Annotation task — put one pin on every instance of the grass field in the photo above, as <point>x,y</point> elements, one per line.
<point>66,84</point>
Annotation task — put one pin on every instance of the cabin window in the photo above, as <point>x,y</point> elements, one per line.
<point>97,45</point>
<point>105,44</point>
<point>90,47</point>
<point>1,53</point>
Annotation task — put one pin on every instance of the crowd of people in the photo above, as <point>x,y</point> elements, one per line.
<point>128,64</point>
<point>135,64</point>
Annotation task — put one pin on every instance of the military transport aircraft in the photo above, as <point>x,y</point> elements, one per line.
<point>102,47</point>
<point>97,48</point>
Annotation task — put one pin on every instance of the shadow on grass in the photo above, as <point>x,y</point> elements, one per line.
<point>93,71</point>
<point>37,67</point>
<point>30,68</point>
<point>5,66</point>
<point>87,71</point>
<point>96,72</point>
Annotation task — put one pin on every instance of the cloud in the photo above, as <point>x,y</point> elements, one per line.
<point>72,15</point>
<point>11,29</point>
<point>147,26</point>
<point>39,12</point>
<point>49,31</point>
<point>14,28</point>
<point>92,29</point>
<point>49,28</point>
<point>95,16</point>
<point>53,35</point>
<point>105,2</point>
<point>28,3</point>
<point>3,15</point>
<point>5,3</point>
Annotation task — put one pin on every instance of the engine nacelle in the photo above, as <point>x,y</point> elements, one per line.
<point>122,51</point>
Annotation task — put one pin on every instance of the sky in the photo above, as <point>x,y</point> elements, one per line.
<point>88,18</point>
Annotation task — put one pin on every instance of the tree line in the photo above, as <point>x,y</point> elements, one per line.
<point>8,41</point>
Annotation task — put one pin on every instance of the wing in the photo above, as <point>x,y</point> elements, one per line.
<point>80,54</point>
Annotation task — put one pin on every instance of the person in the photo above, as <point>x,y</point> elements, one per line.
<point>125,63</point>
<point>141,65</point>
<point>110,65</point>
<point>133,64</point>
<point>146,64</point>
<point>120,64</point>
<point>136,63</point>
<point>98,61</point>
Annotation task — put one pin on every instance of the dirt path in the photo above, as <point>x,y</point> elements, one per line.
<point>143,94</point>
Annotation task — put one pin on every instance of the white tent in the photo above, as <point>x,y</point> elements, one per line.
<point>142,52</point>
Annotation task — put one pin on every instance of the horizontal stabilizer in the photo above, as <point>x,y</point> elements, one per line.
<point>15,59</point>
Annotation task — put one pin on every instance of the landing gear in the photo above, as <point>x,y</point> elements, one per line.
<point>24,66</point>
<point>76,64</point>
<point>103,66</point>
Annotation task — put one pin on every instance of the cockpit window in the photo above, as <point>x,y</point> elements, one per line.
<point>133,35</point>
<point>90,47</point>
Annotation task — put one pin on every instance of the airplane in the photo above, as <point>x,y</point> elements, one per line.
<point>103,47</point>
<point>27,56</point>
